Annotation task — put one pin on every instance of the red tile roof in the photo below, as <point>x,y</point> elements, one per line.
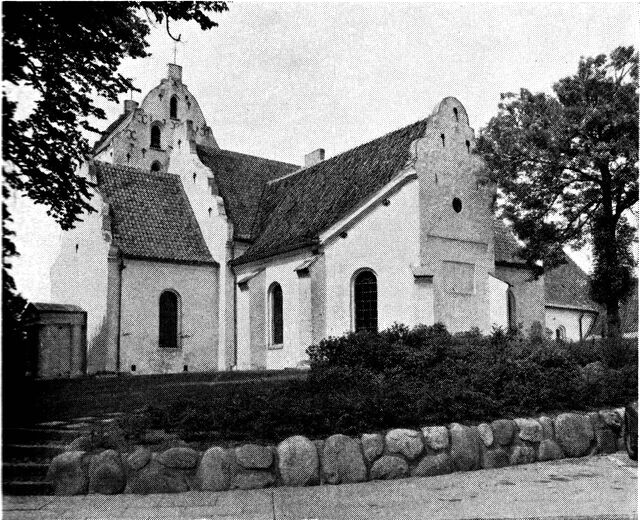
<point>150,215</point>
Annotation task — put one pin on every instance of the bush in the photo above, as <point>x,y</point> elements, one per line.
<point>405,377</point>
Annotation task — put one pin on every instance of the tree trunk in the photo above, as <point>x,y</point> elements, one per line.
<point>613,318</point>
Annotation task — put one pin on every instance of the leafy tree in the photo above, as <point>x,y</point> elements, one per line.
<point>567,165</point>
<point>68,53</point>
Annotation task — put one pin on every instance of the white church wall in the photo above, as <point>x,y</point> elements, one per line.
<point>142,284</point>
<point>292,352</point>
<point>556,318</point>
<point>216,229</point>
<point>79,277</point>
<point>498,313</point>
<point>386,240</point>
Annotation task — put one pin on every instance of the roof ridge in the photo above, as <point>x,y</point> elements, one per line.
<point>222,150</point>
<point>335,157</point>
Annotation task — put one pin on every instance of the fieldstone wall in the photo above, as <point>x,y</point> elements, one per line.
<point>299,461</point>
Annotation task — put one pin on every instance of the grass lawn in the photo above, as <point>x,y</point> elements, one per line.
<point>27,402</point>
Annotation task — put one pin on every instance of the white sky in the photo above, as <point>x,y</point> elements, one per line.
<point>279,80</point>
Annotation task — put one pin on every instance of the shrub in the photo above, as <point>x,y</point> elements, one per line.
<point>405,377</point>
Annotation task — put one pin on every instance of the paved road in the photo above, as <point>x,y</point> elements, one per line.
<point>595,487</point>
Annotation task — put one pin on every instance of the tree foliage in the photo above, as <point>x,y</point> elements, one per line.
<point>68,55</point>
<point>568,167</point>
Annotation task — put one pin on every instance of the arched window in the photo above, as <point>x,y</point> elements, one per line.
<point>561,333</point>
<point>156,166</point>
<point>365,301</point>
<point>169,331</point>
<point>155,136</point>
<point>511,310</point>
<point>276,316</point>
<point>173,107</point>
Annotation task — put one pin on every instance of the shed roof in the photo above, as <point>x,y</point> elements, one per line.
<point>568,285</point>
<point>54,307</point>
<point>150,215</point>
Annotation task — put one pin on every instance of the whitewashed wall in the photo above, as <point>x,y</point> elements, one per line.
<point>80,277</point>
<point>142,284</point>
<point>498,311</point>
<point>570,319</point>
<point>387,241</point>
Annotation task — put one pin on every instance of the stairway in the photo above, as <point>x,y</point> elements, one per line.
<point>27,452</point>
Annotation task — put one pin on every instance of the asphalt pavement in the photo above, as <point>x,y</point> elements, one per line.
<point>603,487</point>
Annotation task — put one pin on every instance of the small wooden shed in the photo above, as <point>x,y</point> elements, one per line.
<point>57,340</point>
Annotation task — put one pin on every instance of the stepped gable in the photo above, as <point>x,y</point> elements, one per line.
<point>151,217</point>
<point>110,129</point>
<point>293,210</point>
<point>568,285</point>
<point>241,179</point>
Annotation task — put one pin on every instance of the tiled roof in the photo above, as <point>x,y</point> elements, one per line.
<point>241,179</point>
<point>294,210</point>
<point>107,133</point>
<point>55,307</point>
<point>505,245</point>
<point>150,215</point>
<point>568,285</point>
<point>628,315</point>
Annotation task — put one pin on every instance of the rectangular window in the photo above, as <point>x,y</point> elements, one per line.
<point>459,277</point>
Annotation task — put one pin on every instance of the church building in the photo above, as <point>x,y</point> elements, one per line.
<point>200,258</point>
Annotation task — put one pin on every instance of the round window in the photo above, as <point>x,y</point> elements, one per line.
<point>457,205</point>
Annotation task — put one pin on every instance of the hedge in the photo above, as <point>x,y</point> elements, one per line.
<point>403,377</point>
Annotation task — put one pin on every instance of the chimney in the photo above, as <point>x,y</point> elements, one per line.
<point>175,72</point>
<point>130,105</point>
<point>314,157</point>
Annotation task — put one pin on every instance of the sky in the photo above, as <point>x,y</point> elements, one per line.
<point>279,80</point>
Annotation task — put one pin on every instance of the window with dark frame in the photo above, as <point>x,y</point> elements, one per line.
<point>173,107</point>
<point>277,322</point>
<point>366,302</point>
<point>155,136</point>
<point>169,316</point>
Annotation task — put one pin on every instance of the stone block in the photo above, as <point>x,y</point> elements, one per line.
<point>69,473</point>
<point>605,437</point>
<point>106,473</point>
<point>406,442</point>
<point>342,460</point>
<point>432,465</point>
<point>549,450</point>
<point>547,427</point>
<point>530,430</point>
<point>486,434</point>
<point>139,458</point>
<point>252,456</point>
<point>372,445</point>
<point>298,461</point>
<point>574,434</point>
<point>612,420</point>
<point>389,467</point>
<point>436,437</point>
<point>503,430</point>
<point>83,443</point>
<point>522,455</point>
<point>156,478</point>
<point>214,471</point>
<point>495,458</point>
<point>465,448</point>
<point>179,458</point>
<point>253,480</point>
